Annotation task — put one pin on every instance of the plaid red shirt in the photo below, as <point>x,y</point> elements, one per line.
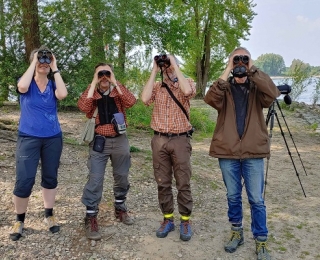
<point>88,105</point>
<point>167,116</point>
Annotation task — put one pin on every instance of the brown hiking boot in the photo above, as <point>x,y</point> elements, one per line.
<point>123,217</point>
<point>92,229</point>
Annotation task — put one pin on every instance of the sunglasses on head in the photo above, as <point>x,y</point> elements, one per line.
<point>244,58</point>
<point>102,73</point>
<point>45,56</point>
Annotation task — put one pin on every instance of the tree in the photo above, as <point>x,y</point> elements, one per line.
<point>272,64</point>
<point>30,22</point>
<point>202,32</point>
<point>299,78</point>
<point>302,66</point>
<point>12,56</point>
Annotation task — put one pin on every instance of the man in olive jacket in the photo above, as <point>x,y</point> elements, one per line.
<point>240,142</point>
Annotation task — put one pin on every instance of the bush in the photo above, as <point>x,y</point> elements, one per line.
<point>139,117</point>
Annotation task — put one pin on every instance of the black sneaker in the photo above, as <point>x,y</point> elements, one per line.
<point>236,239</point>
<point>17,231</point>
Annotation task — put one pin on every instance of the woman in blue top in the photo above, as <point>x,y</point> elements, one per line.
<point>39,136</point>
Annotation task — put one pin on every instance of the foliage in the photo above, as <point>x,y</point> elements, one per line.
<point>204,33</point>
<point>139,117</point>
<point>316,92</point>
<point>201,121</point>
<point>272,64</point>
<point>298,78</point>
<point>296,63</point>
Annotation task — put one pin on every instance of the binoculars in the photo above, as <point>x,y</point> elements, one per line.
<point>102,73</point>
<point>244,58</point>
<point>162,60</point>
<point>44,56</point>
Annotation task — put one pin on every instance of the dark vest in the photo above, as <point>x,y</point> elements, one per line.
<point>106,108</point>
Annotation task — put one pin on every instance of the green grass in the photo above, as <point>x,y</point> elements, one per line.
<point>139,117</point>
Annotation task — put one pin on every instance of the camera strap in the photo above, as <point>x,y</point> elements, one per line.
<point>175,99</point>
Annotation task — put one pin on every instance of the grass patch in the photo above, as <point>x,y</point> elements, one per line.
<point>282,249</point>
<point>134,149</point>
<point>301,225</point>
<point>139,117</point>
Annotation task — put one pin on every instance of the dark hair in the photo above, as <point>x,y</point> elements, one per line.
<point>103,64</point>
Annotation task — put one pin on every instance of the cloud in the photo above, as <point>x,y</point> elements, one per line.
<point>308,24</point>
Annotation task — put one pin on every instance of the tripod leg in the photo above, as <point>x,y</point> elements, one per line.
<point>269,118</point>
<point>285,140</point>
<point>291,137</point>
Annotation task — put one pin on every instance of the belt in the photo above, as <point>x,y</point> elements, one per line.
<point>169,134</point>
<point>111,136</point>
<point>114,136</point>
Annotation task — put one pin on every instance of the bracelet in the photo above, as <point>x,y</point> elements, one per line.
<point>56,71</point>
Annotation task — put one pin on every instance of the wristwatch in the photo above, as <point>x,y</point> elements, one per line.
<point>56,71</point>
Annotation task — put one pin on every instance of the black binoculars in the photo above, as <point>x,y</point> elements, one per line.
<point>244,58</point>
<point>102,73</point>
<point>162,60</point>
<point>44,56</point>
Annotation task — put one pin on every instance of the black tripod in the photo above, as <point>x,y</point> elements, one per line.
<point>270,118</point>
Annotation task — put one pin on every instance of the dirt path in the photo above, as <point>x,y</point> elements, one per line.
<point>293,220</point>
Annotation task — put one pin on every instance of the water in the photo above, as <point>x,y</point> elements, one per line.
<point>306,96</point>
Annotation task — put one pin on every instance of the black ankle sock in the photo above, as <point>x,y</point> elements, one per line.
<point>48,212</point>
<point>21,217</point>
<point>237,225</point>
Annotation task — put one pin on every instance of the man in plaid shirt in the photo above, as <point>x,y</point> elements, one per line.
<point>171,147</point>
<point>109,96</point>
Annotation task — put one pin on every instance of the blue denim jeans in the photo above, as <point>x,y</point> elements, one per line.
<point>252,172</point>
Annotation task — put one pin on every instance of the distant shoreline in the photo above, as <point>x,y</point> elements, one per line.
<point>287,77</point>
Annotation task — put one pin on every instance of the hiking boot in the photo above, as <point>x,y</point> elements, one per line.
<point>185,230</point>
<point>92,229</point>
<point>52,224</point>
<point>261,248</point>
<point>17,231</point>
<point>236,239</point>
<point>123,217</point>
<point>166,226</point>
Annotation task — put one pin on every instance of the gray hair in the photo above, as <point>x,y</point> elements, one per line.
<point>240,49</point>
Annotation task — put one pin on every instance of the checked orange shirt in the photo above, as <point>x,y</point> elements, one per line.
<point>167,116</point>
<point>88,105</point>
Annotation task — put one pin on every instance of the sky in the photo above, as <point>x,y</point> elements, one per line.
<point>290,28</point>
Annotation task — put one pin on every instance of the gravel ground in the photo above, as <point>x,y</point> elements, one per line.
<point>293,219</point>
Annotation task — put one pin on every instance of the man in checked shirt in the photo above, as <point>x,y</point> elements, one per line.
<point>171,147</point>
<point>110,97</point>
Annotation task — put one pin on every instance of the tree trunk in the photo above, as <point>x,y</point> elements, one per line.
<point>122,39</point>
<point>30,22</point>
<point>96,43</point>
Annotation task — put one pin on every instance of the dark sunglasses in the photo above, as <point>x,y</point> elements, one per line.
<point>244,58</point>
<point>102,73</point>
<point>45,56</point>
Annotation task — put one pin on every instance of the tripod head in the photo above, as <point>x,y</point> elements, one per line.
<point>285,90</point>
